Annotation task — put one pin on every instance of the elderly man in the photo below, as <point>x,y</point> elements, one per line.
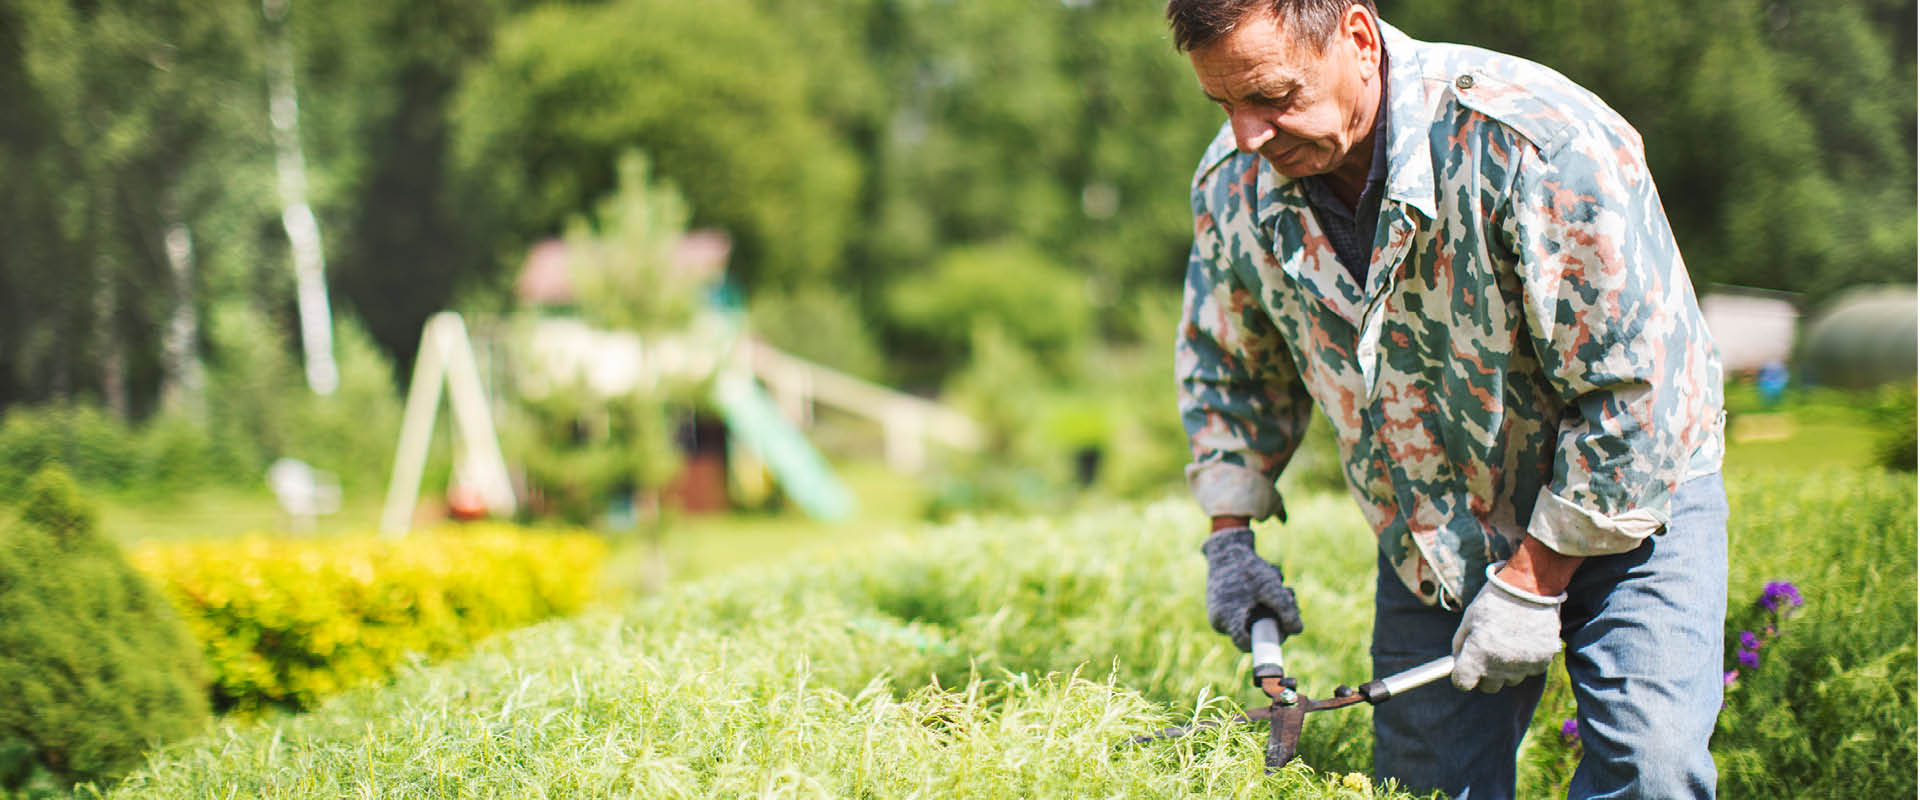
<point>1460,257</point>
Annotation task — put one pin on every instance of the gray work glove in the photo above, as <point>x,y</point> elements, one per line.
<point>1240,582</point>
<point>1506,636</point>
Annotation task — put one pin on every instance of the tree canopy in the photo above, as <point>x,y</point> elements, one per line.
<point>863,154</point>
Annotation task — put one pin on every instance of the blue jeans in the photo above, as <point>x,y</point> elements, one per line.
<point>1643,634</point>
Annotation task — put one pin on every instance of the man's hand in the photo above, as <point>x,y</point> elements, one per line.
<point>1239,581</point>
<point>1507,635</point>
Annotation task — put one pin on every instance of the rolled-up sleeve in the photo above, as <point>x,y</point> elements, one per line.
<point>1241,401</point>
<point>1613,319</point>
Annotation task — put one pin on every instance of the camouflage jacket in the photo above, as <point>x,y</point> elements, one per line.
<point>1527,357</point>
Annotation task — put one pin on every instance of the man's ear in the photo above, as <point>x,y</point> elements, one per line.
<point>1360,29</point>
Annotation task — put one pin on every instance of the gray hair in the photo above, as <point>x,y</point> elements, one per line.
<point>1197,23</point>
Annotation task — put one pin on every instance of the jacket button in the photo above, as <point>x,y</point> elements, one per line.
<point>1426,587</point>
<point>1463,82</point>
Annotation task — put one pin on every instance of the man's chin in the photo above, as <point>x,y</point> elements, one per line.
<point>1296,165</point>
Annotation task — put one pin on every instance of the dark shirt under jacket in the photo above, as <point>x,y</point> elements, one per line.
<point>1351,229</point>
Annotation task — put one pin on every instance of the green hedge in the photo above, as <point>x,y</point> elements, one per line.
<point>94,664</point>
<point>285,622</point>
<point>997,659</point>
<point>906,669</point>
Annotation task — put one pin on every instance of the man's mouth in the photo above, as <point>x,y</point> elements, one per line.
<point>1289,156</point>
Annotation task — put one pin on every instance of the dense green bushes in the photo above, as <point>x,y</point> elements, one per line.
<point>939,664</point>
<point>94,665</point>
<point>285,623</point>
<point>1828,699</point>
<point>102,451</point>
<point>258,409</point>
<point>819,679</point>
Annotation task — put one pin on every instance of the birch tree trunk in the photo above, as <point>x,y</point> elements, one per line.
<point>182,372</point>
<point>303,229</point>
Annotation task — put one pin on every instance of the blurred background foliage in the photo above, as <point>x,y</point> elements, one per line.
<point>981,198</point>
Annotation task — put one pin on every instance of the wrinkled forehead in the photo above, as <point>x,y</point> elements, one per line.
<point>1258,52</point>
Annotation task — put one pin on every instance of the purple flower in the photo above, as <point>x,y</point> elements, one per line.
<point>1750,659</point>
<point>1748,641</point>
<point>1731,676</point>
<point>1570,730</point>
<point>1777,593</point>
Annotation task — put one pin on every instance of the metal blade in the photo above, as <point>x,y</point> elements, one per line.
<point>1283,738</point>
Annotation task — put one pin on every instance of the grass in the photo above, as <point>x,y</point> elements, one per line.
<point>983,659</point>
<point>692,546</point>
<point>1810,430</point>
<point>1832,703</point>
<point>222,511</point>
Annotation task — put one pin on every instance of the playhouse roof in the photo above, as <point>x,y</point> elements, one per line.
<point>545,279</point>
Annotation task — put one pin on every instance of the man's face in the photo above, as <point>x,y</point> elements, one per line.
<point>1302,110</point>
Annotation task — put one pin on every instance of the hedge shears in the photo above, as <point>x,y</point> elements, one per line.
<point>1289,708</point>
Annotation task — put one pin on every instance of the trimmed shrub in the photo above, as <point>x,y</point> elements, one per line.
<point>981,660</point>
<point>94,664</point>
<point>993,658</point>
<point>285,623</point>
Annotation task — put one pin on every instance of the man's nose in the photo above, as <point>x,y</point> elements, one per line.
<point>1251,131</point>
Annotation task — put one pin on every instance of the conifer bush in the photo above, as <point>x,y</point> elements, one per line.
<point>95,667</point>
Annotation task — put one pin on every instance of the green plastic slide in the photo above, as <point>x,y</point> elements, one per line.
<point>752,416</point>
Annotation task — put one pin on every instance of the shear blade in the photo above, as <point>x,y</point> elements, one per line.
<point>1283,737</point>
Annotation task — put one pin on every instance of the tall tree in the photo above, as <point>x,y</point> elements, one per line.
<point>1780,133</point>
<point>714,93</point>
<point>118,106</point>
<point>377,80</point>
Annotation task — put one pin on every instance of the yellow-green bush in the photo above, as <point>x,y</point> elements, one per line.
<point>285,622</point>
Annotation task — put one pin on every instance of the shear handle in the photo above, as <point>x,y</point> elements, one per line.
<point>1267,662</point>
<point>1400,682</point>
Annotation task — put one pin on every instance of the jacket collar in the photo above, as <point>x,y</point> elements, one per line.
<point>1409,169</point>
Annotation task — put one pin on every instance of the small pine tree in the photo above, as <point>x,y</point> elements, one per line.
<point>94,663</point>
